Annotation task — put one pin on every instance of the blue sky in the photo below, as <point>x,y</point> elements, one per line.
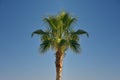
<point>19,55</point>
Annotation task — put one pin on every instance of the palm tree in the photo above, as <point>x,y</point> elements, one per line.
<point>59,36</point>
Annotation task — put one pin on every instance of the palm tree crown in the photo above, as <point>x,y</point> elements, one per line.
<point>60,35</point>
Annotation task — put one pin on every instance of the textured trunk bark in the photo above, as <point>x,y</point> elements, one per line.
<point>58,63</point>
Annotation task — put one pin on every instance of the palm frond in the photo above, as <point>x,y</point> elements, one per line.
<point>45,45</point>
<point>39,32</point>
<point>45,37</point>
<point>74,45</point>
<point>80,32</point>
<point>51,22</point>
<point>68,21</point>
<point>65,17</point>
<point>74,37</point>
<point>71,21</point>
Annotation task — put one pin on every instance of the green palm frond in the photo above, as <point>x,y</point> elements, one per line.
<point>45,37</point>
<point>51,21</point>
<point>68,21</point>
<point>39,32</point>
<point>45,45</point>
<point>74,45</point>
<point>80,32</point>
<point>71,21</point>
<point>65,18</point>
<point>74,37</point>
<point>53,25</point>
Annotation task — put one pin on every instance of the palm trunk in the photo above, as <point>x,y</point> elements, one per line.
<point>58,63</point>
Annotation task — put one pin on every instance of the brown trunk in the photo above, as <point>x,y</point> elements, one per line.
<point>58,63</point>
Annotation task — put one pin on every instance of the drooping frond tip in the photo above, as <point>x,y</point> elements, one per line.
<point>81,32</point>
<point>38,32</point>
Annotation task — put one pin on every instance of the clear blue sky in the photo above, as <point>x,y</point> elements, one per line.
<point>19,55</point>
